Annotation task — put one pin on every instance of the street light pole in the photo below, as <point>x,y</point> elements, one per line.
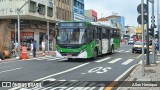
<point>18,12</point>
<point>48,33</point>
<point>18,34</point>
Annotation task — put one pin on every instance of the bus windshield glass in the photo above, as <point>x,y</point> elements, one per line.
<point>72,36</point>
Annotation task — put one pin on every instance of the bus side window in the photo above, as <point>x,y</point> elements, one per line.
<point>99,33</point>
<point>104,33</point>
<point>91,34</point>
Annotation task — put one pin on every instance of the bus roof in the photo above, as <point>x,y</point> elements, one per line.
<point>102,24</point>
<point>92,23</point>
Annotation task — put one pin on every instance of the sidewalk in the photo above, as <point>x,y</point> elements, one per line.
<point>38,54</point>
<point>152,73</point>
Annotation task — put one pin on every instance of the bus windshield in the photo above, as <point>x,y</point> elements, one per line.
<point>72,36</point>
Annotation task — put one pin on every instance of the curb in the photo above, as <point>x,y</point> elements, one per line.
<point>38,55</point>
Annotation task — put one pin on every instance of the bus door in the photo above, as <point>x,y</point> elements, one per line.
<point>100,40</point>
<point>105,41</point>
<point>109,39</point>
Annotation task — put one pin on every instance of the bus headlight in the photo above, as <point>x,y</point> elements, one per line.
<point>83,50</point>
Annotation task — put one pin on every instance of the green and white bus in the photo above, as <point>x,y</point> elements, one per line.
<point>86,39</point>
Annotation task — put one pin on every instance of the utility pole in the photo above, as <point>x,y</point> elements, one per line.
<point>48,33</point>
<point>153,26</point>
<point>15,36</point>
<point>142,20</point>
<point>158,24</point>
<point>18,12</point>
<point>147,61</point>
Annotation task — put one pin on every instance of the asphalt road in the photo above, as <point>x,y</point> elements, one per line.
<point>104,68</point>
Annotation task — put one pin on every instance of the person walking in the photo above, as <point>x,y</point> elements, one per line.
<point>34,48</point>
<point>31,48</point>
<point>16,48</point>
<point>43,47</point>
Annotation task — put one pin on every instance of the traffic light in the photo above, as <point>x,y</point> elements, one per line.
<point>153,19</point>
<point>145,9</point>
<point>21,24</point>
<point>151,31</point>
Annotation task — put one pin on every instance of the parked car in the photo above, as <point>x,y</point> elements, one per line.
<point>131,41</point>
<point>137,47</point>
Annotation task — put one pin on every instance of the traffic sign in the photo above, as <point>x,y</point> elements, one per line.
<point>139,20</point>
<point>144,6</point>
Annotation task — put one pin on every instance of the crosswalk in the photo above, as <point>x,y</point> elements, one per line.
<point>123,51</point>
<point>109,60</point>
<point>63,84</point>
<point>48,58</point>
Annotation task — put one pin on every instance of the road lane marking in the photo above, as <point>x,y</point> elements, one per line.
<point>110,86</point>
<point>55,74</point>
<point>140,62</point>
<point>115,60</point>
<point>62,60</point>
<point>120,51</point>
<point>139,56</point>
<point>62,80</point>
<point>54,59</point>
<point>62,72</point>
<point>127,51</point>
<point>10,70</point>
<point>74,68</point>
<point>101,60</point>
<point>127,62</point>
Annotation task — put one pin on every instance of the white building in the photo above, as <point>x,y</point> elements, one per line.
<point>34,16</point>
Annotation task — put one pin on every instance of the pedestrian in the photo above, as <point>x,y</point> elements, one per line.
<point>43,47</point>
<point>31,48</point>
<point>16,47</point>
<point>34,48</point>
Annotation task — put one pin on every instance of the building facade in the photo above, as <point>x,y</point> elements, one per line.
<point>130,31</point>
<point>91,15</point>
<point>63,10</point>
<point>78,10</point>
<point>116,21</point>
<point>33,20</point>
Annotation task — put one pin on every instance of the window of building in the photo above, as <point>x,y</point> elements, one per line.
<point>50,11</point>
<point>75,3</point>
<point>81,6</point>
<point>81,12</point>
<point>41,9</point>
<point>75,10</point>
<point>68,2</point>
<point>32,6</point>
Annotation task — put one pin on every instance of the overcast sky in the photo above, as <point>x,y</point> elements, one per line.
<point>126,8</point>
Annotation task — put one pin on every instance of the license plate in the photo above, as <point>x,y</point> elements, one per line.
<point>138,49</point>
<point>69,55</point>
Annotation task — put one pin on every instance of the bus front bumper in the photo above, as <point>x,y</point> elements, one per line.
<point>82,55</point>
